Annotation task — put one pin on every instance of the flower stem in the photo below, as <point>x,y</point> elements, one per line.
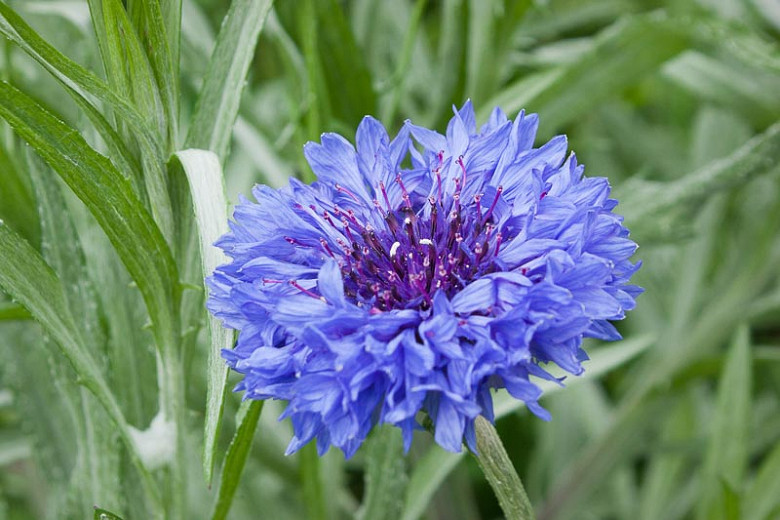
<point>500,473</point>
<point>311,478</point>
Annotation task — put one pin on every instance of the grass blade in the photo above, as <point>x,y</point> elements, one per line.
<point>17,201</point>
<point>642,200</point>
<point>761,498</point>
<point>127,65</point>
<point>78,79</point>
<point>32,283</point>
<point>153,36</point>
<point>341,58</point>
<point>727,455</point>
<point>111,200</point>
<point>625,51</point>
<point>399,76</point>
<point>217,107</point>
<point>236,457</point>
<point>207,189</point>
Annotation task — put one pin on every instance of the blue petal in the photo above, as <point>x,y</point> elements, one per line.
<point>449,427</point>
<point>335,162</point>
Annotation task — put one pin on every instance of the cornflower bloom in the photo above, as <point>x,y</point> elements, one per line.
<point>417,274</point>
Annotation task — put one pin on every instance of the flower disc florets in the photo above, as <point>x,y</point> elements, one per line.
<point>417,274</point>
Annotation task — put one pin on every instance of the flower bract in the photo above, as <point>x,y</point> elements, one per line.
<point>418,273</point>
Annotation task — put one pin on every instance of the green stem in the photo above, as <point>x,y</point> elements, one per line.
<point>312,483</point>
<point>171,385</point>
<point>500,473</point>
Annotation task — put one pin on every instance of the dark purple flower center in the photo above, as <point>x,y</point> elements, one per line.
<point>419,251</point>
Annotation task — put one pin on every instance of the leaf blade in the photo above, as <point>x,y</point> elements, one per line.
<point>217,106</point>
<point>110,198</point>
<point>726,459</point>
<point>207,191</point>
<point>236,457</point>
<point>630,48</point>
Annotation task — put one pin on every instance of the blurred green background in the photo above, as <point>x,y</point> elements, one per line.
<point>677,102</point>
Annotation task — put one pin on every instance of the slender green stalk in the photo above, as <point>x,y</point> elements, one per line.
<point>311,481</point>
<point>500,473</point>
<point>171,384</point>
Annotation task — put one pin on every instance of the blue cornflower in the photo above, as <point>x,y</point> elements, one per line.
<point>418,273</point>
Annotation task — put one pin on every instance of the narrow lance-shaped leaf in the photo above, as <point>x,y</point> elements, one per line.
<point>152,32</point>
<point>217,106</point>
<point>127,64</point>
<point>248,415</point>
<point>727,455</point>
<point>110,199</point>
<point>341,58</point>
<point>761,498</point>
<point>207,191</point>
<point>758,156</point>
<point>622,53</point>
<point>79,80</point>
<point>17,203</point>
<point>94,477</point>
<point>30,281</point>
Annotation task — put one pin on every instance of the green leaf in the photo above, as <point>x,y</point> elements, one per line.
<point>403,62</point>
<point>127,65</point>
<point>431,470</point>
<point>623,53</point>
<point>111,200</point>
<point>27,278</point>
<point>207,190</point>
<point>727,454</point>
<point>731,501</point>
<point>491,24</point>
<point>761,498</point>
<point>248,415</point>
<point>668,470</point>
<point>312,486</point>
<point>642,201</point>
<point>428,474</point>
<point>83,82</point>
<point>747,90</point>
<point>17,202</point>
<point>341,58</point>
<point>61,249</point>
<point>217,108</point>
<point>385,476</point>
<point>171,17</point>
<point>13,311</point>
<point>317,100</point>
<point>153,37</point>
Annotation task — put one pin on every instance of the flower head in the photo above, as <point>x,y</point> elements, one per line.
<point>418,273</point>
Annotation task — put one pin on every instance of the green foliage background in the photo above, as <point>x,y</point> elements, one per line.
<point>110,392</point>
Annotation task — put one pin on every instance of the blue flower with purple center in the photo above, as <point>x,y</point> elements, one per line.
<point>416,275</point>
